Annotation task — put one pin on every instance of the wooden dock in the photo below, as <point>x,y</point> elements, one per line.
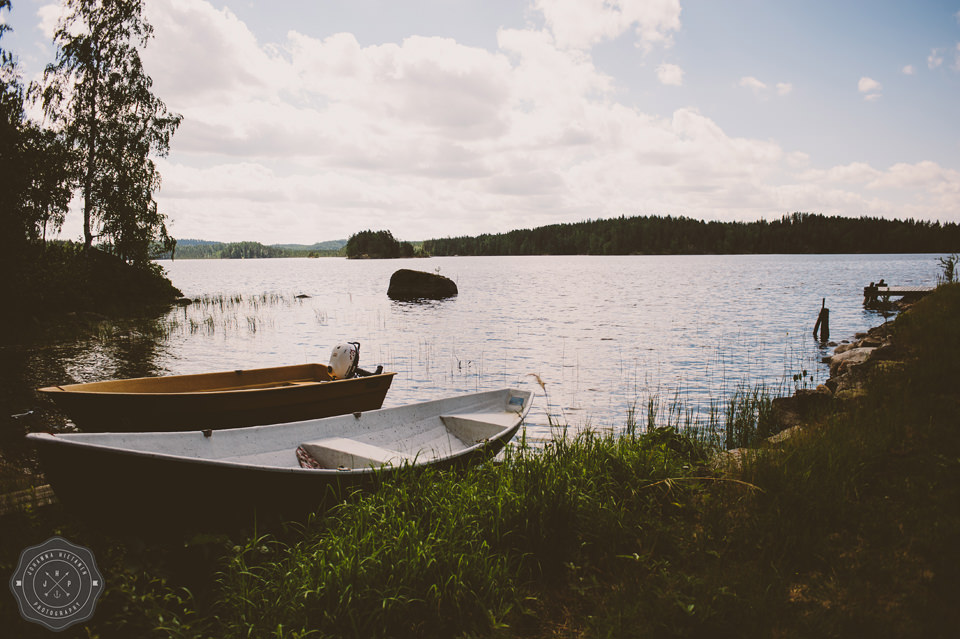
<point>873,293</point>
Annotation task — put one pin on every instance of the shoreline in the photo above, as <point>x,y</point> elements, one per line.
<point>850,364</point>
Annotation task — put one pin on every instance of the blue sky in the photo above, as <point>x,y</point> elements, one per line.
<point>307,121</point>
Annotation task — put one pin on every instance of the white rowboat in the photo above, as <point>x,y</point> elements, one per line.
<point>286,469</point>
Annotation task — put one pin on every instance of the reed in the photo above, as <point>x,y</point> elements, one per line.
<point>748,418</point>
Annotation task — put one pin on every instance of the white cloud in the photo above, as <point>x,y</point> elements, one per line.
<point>761,89</point>
<point>670,74</point>
<point>751,82</point>
<point>909,70</point>
<point>581,24</point>
<point>924,175</point>
<point>49,15</point>
<point>850,174</point>
<point>935,59</point>
<point>868,85</point>
<point>870,88</point>
<point>201,54</point>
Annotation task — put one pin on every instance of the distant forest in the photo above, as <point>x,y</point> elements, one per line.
<point>202,249</point>
<point>796,233</point>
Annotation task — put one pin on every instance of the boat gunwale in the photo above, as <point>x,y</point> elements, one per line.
<point>52,438</point>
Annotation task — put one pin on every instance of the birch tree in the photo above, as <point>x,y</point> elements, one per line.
<point>98,93</point>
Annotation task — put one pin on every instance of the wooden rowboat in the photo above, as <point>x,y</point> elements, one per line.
<point>228,476</point>
<point>217,400</point>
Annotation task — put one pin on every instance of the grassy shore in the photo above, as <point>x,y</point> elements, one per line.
<point>851,527</point>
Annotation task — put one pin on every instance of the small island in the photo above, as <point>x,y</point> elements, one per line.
<point>377,245</point>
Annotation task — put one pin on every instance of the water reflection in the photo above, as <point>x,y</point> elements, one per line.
<point>77,349</point>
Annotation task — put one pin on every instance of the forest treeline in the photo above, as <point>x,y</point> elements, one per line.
<point>199,249</point>
<point>796,233</point>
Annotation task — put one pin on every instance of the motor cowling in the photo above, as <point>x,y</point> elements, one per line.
<point>344,360</point>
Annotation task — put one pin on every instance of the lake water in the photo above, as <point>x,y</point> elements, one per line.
<point>603,334</point>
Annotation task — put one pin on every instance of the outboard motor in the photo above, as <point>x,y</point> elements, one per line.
<point>344,360</point>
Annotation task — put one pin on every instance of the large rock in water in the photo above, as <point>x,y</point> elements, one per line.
<point>406,284</point>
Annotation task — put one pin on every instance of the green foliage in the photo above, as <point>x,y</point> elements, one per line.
<point>922,328</point>
<point>948,266</point>
<point>797,233</point>
<point>377,244</point>
<point>34,164</point>
<point>98,93</point>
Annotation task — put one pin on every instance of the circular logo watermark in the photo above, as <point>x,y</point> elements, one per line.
<point>56,583</point>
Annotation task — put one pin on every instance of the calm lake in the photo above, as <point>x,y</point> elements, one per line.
<point>604,334</point>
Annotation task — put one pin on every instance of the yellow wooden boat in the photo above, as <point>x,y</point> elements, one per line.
<point>218,400</point>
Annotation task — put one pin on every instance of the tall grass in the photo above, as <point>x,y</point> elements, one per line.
<point>748,418</point>
<point>435,554</point>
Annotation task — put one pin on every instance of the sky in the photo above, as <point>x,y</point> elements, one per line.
<point>306,121</point>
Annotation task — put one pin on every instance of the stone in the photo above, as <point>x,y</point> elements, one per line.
<point>853,357</point>
<point>803,406</point>
<point>407,284</point>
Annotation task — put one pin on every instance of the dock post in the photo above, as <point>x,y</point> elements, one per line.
<point>823,322</point>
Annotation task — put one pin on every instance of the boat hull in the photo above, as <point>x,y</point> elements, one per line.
<point>217,400</point>
<point>128,486</point>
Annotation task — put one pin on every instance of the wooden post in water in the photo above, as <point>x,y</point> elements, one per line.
<point>823,322</point>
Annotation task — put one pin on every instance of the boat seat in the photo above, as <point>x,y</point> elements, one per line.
<point>334,452</point>
<point>473,428</point>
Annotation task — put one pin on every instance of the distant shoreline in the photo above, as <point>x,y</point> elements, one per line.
<point>795,234</point>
